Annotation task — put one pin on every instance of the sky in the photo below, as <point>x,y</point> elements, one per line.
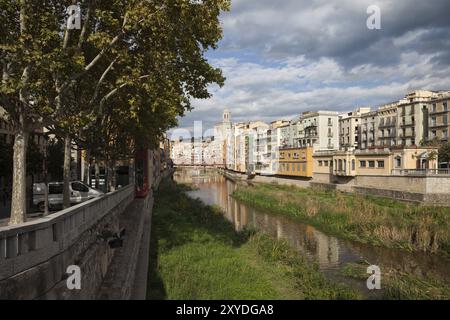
<point>281,58</point>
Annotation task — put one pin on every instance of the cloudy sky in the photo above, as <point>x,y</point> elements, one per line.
<point>284,57</point>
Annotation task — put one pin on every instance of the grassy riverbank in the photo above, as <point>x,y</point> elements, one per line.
<point>401,286</point>
<point>361,218</point>
<point>196,254</point>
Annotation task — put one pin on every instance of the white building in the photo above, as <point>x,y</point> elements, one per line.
<point>349,128</point>
<point>319,130</point>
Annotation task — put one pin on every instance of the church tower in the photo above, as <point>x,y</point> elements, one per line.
<point>226,117</point>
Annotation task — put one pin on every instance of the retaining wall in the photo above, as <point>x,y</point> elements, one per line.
<point>34,256</point>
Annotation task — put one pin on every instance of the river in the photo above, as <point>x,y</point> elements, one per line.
<point>330,253</point>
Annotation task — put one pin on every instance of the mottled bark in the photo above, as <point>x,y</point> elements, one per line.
<point>97,175</point>
<point>111,176</point>
<point>18,200</point>
<point>67,159</point>
<point>45,169</point>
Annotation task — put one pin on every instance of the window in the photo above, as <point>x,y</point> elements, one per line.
<point>353,165</point>
<point>445,106</point>
<point>320,163</point>
<point>298,167</point>
<point>371,164</point>
<point>55,189</point>
<point>76,186</point>
<point>325,163</point>
<point>362,164</point>
<point>398,162</point>
<point>381,164</point>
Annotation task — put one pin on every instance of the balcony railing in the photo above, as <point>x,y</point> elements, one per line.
<point>439,111</point>
<point>420,172</point>
<point>439,124</point>
<point>408,123</point>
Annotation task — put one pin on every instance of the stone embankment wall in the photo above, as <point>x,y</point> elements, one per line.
<point>428,190</point>
<point>34,256</point>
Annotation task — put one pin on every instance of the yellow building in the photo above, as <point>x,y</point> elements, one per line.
<point>329,166</point>
<point>296,162</point>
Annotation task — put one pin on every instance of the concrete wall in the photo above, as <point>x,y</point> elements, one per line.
<point>34,256</point>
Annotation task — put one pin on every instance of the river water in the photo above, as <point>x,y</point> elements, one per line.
<point>330,253</point>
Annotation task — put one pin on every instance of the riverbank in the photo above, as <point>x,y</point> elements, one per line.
<point>366,219</point>
<point>196,254</point>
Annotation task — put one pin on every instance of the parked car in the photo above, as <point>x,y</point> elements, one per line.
<point>79,192</point>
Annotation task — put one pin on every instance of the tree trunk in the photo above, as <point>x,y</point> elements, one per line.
<point>67,158</point>
<point>87,168</point>
<point>97,175</point>
<point>111,176</point>
<point>18,199</point>
<point>45,181</point>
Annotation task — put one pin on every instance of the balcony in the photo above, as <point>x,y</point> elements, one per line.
<point>439,124</point>
<point>387,125</point>
<point>434,112</point>
<point>408,123</point>
<point>310,126</point>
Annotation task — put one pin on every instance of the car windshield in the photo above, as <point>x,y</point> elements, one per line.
<point>78,186</point>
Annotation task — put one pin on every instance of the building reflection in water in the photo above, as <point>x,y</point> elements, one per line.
<point>329,252</point>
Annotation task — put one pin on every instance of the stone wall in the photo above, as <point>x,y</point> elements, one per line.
<point>34,256</point>
<point>430,190</point>
<point>283,181</point>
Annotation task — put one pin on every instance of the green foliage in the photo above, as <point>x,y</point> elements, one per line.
<point>35,159</point>
<point>444,153</point>
<point>397,285</point>
<point>6,159</point>
<point>196,254</point>
<point>55,159</point>
<point>366,219</point>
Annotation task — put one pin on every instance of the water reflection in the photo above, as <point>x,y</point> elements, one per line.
<point>329,252</point>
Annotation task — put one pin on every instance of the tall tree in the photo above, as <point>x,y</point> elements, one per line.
<point>118,66</point>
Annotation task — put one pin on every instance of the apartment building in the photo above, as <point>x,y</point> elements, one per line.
<point>422,116</point>
<point>412,118</point>
<point>275,137</point>
<point>368,131</point>
<point>387,125</point>
<point>181,152</point>
<point>319,130</point>
<point>439,118</point>
<point>349,125</point>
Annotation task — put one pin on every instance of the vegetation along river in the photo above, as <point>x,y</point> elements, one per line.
<point>331,254</point>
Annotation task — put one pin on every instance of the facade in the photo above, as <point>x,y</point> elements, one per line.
<point>368,131</point>
<point>296,162</point>
<point>319,130</point>
<point>419,120</point>
<point>387,125</point>
<point>349,125</point>
<point>331,166</point>
<point>439,118</point>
